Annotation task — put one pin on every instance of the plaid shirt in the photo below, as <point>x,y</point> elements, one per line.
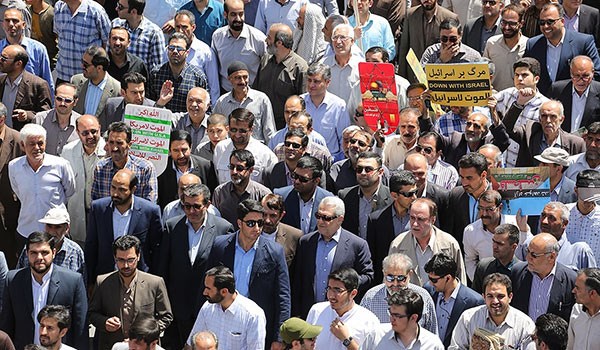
<point>89,25</point>
<point>144,170</point>
<point>147,41</point>
<point>190,77</point>
<point>70,256</point>
<point>449,123</point>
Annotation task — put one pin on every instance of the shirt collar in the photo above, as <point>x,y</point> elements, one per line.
<point>335,237</point>
<point>237,242</point>
<point>189,224</point>
<point>583,96</point>
<point>46,276</point>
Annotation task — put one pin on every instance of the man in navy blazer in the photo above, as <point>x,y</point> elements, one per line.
<point>65,287</point>
<point>120,214</point>
<point>573,44</point>
<point>183,271</point>
<point>258,265</point>
<point>328,249</point>
<point>445,288</point>
<point>307,177</point>
<point>582,73</point>
<point>541,261</point>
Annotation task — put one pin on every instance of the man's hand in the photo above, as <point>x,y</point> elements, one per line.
<point>522,221</point>
<point>492,103</point>
<point>446,53</point>
<point>169,26</point>
<point>339,329</point>
<point>166,93</point>
<point>20,115</point>
<point>112,324</point>
<point>525,95</point>
<point>357,32</point>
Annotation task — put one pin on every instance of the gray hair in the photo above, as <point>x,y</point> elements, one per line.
<point>564,210</point>
<point>398,260</point>
<point>336,203</point>
<point>346,26</point>
<point>319,68</point>
<point>494,148</point>
<point>3,110</point>
<point>195,190</point>
<point>30,130</point>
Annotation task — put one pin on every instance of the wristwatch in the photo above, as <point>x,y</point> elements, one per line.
<point>347,342</point>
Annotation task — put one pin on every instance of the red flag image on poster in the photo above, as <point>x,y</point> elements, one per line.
<point>379,95</point>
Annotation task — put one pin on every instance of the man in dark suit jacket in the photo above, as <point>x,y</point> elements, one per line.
<point>33,93</point>
<point>541,261</point>
<point>181,160</point>
<point>64,288</point>
<point>582,75</point>
<point>310,274</point>
<point>369,172</point>
<point>573,44</point>
<point>265,278</point>
<point>386,223</point>
<point>106,215</point>
<point>307,176</point>
<point>534,136</point>
<point>184,273</point>
<point>472,33</point>
<point>588,18</point>
<point>443,271</point>
<point>107,304</point>
<point>9,150</point>
<point>285,235</point>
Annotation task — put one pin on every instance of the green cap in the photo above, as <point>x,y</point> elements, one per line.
<point>296,328</point>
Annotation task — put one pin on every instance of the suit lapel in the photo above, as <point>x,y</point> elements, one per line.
<point>293,203</point>
<point>106,92</point>
<point>259,259</point>
<point>135,215</point>
<point>341,250</point>
<point>459,306</point>
<point>591,102</point>
<point>140,289</point>
<point>23,90</point>
<point>207,236</point>
<point>6,148</point>
<point>108,211</point>
<point>82,94</point>
<point>53,287</point>
<point>566,54</point>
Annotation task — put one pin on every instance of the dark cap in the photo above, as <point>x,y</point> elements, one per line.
<point>588,178</point>
<point>236,66</point>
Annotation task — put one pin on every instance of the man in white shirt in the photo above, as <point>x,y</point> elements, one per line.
<point>236,320</point>
<point>345,324</point>
<point>344,65</point>
<point>590,159</point>
<point>584,217</point>
<point>55,321</point>
<point>585,317</point>
<point>496,316</point>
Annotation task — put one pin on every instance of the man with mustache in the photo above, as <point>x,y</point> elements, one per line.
<point>119,144</point>
<point>537,136</point>
<point>590,159</point>
<point>506,48</point>
<point>397,147</point>
<point>127,294</point>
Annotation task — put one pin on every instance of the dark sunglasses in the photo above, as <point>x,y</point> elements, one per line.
<point>508,23</point>
<point>408,194</point>
<point>435,279</point>
<point>550,22</point>
<point>360,142</point>
<point>427,150</point>
<point>325,217</point>
<point>367,169</point>
<point>238,168</point>
<point>302,179</point>
<point>236,130</point>
<point>190,206</point>
<point>177,49</point>
<point>252,223</point>
<point>392,278</point>
<point>451,39</point>
<point>64,99</point>
<point>87,132</point>
<point>489,2</point>
<point>85,64</point>
<point>294,145</point>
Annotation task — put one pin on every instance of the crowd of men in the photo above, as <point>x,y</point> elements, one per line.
<point>282,219</point>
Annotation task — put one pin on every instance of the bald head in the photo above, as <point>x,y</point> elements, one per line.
<point>416,163</point>
<point>187,180</point>
<point>205,341</point>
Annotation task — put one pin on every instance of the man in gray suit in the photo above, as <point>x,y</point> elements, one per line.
<point>129,293</point>
<point>94,85</point>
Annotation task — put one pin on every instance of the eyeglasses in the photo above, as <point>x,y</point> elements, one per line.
<point>129,261</point>
<point>335,290</point>
<point>508,23</point>
<point>395,315</point>
<point>435,279</point>
<point>294,145</point>
<point>360,142</point>
<point>121,7</point>
<point>392,278</point>
<point>177,49</point>
<point>550,22</point>
<point>238,168</point>
<point>252,223</point>
<point>535,255</point>
<point>86,64</point>
<point>187,206</point>
<point>451,39</point>
<point>486,209</point>
<point>87,132</point>
<point>5,59</point>
<point>325,217</point>
<point>64,99</point>
<point>408,194</point>
<point>302,179</point>
<point>366,169</point>
<point>236,130</point>
<point>415,98</point>
<point>341,38</point>
<point>585,77</point>
<point>489,2</point>
<point>427,150</point>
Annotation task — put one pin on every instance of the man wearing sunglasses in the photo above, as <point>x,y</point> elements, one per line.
<point>443,174</point>
<point>60,121</point>
<point>397,269</point>
<point>450,49</point>
<point>258,265</point>
<point>543,284</point>
<point>556,47</point>
<point>294,147</point>
<point>184,254</point>
<point>451,295</point>
<point>479,30</point>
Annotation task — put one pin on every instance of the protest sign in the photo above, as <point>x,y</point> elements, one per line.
<point>527,189</point>
<point>459,84</point>
<point>379,95</point>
